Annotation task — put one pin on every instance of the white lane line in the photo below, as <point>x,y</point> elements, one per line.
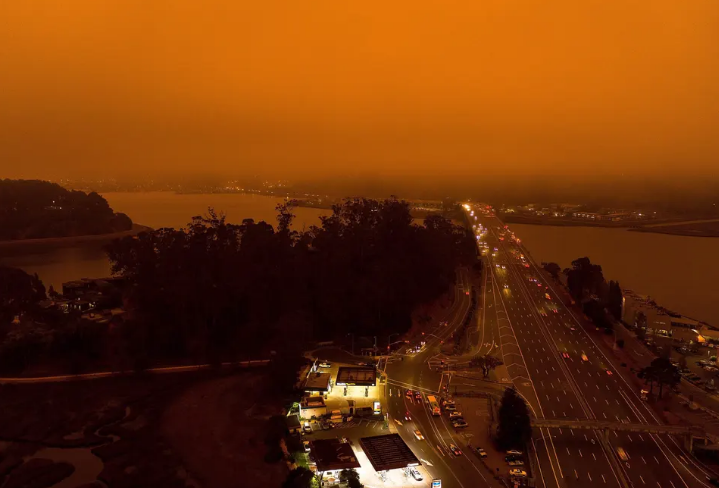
<point>603,479</point>
<point>645,461</point>
<point>568,453</point>
<point>640,477</point>
<point>590,476</point>
<point>630,438</point>
<point>655,458</point>
<point>594,456</point>
<point>571,430</point>
<point>580,452</point>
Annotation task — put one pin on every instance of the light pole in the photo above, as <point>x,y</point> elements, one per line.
<point>389,339</point>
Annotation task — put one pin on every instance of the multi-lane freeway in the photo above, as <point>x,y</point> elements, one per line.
<point>563,374</point>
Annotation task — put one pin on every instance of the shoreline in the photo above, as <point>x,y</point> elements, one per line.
<point>669,227</point>
<point>73,240</point>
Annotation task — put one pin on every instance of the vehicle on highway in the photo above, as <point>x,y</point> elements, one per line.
<point>455,415</point>
<point>455,450</point>
<point>539,284</point>
<point>504,267</point>
<point>609,373</point>
<point>622,454</point>
<point>518,473</point>
<point>565,355</point>
<point>415,473</point>
<point>433,405</point>
<point>418,435</point>
<point>555,310</point>
<point>409,394</point>
<point>644,394</point>
<point>407,416</point>
<point>572,329</point>
<point>514,452</point>
<point>459,424</point>
<point>482,453</point>
<point>496,265</point>
<point>543,313</point>
<point>418,395</point>
<point>546,295</point>
<point>325,364</point>
<point>506,286</point>
<point>584,357</point>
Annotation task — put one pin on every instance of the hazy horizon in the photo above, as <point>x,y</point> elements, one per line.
<point>333,90</point>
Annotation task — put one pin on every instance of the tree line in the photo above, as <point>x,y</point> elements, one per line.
<point>217,291</point>
<point>32,209</point>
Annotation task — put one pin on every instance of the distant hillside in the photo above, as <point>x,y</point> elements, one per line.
<point>34,209</point>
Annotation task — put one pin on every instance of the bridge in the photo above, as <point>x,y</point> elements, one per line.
<point>688,432</point>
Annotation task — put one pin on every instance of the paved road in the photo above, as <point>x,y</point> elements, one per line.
<point>413,372</point>
<point>535,332</point>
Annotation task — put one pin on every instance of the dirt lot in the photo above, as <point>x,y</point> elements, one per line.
<point>162,430</point>
<point>217,427</point>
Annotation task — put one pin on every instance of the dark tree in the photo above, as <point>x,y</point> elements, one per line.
<point>351,478</point>
<point>19,293</point>
<point>299,478</point>
<point>665,373</point>
<point>553,269</point>
<point>515,428</point>
<point>585,279</point>
<point>615,300</point>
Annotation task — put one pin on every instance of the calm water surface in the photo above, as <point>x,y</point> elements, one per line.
<point>57,264</point>
<point>680,273</point>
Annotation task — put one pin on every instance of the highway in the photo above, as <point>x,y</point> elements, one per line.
<point>542,344</point>
<point>465,471</point>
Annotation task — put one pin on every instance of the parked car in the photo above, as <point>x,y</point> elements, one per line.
<point>325,364</point>
<point>482,453</point>
<point>307,428</point>
<point>514,452</point>
<point>459,424</point>
<point>518,473</point>
<point>455,415</point>
<point>450,407</point>
<point>415,474</point>
<point>516,462</point>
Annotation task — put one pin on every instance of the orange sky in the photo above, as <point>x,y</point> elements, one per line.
<point>299,88</point>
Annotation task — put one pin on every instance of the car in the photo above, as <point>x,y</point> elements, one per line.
<point>325,425</point>
<point>418,435</point>
<point>516,462</point>
<point>609,373</point>
<point>555,310</point>
<point>584,357</point>
<point>504,267</point>
<point>450,406</point>
<point>526,265</point>
<point>514,452</point>
<point>418,395</point>
<point>415,474</point>
<point>512,458</point>
<point>572,329</point>
<point>506,285</point>
<point>306,445</point>
<point>496,265</point>
<point>455,415</point>
<point>539,285</point>
<point>481,452</point>
<point>459,424</point>
<point>409,394</point>
<point>518,473</point>
<point>325,364</point>
<point>307,428</point>
<point>407,416</point>
<point>565,355</point>
<point>546,295</point>
<point>543,313</point>
<point>455,450</point>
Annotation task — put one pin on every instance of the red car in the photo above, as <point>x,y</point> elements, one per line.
<point>565,355</point>
<point>609,373</point>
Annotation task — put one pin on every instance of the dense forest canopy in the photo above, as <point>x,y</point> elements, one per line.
<point>32,209</point>
<point>215,290</point>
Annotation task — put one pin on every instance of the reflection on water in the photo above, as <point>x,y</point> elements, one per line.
<point>678,272</point>
<point>57,264</point>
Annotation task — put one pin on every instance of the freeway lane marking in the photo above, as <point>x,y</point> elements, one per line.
<point>603,479</point>
<point>590,476</point>
<point>640,477</point>
<point>594,456</point>
<point>580,453</point>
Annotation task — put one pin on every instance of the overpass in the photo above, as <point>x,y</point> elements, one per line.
<point>688,432</point>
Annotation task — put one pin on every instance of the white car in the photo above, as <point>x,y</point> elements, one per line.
<point>325,364</point>
<point>418,435</point>
<point>415,474</point>
<point>514,452</point>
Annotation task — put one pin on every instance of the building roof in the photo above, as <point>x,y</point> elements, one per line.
<point>317,382</point>
<point>356,376</point>
<point>332,455</point>
<point>388,452</point>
